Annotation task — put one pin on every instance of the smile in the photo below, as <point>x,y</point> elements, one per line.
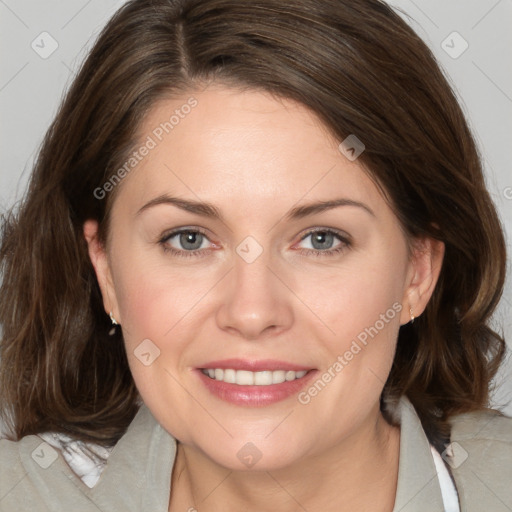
<point>250,383</point>
<point>248,378</point>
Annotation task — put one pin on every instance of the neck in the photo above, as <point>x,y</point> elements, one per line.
<point>359,473</point>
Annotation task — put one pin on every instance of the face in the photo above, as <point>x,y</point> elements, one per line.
<point>255,325</point>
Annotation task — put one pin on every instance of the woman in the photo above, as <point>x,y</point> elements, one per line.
<point>254,269</point>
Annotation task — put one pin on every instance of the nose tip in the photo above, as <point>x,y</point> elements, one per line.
<point>251,329</point>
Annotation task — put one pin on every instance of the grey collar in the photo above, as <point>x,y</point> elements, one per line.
<point>418,488</point>
<point>137,475</point>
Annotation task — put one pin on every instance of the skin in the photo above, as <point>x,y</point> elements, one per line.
<point>255,157</point>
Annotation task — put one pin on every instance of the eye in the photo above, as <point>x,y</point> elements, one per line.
<point>325,242</point>
<point>185,242</point>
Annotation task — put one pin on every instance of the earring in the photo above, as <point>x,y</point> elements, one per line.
<point>412,316</point>
<point>114,323</point>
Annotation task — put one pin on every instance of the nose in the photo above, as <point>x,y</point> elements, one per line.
<point>255,301</point>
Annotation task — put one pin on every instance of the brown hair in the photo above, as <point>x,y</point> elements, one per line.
<point>363,71</point>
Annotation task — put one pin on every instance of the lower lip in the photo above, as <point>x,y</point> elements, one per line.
<point>255,396</point>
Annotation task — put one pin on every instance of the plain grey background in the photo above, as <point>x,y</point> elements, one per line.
<point>43,41</point>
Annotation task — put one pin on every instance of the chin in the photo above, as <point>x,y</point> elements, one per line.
<point>246,455</point>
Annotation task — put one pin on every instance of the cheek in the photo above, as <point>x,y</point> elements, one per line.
<point>358,305</point>
<point>360,314</point>
<point>162,303</point>
<point>158,319</point>
<point>154,301</point>
<point>353,295</point>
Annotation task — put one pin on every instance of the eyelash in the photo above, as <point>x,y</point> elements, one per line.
<point>183,254</point>
<point>345,244</point>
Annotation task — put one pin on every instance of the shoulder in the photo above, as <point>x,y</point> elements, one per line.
<point>10,461</point>
<point>480,459</point>
<point>16,486</point>
<point>483,433</point>
<point>484,425</point>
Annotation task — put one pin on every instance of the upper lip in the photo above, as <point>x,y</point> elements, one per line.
<point>254,366</point>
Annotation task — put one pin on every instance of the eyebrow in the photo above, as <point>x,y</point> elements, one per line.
<point>209,210</point>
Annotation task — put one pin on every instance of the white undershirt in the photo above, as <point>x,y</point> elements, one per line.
<point>448,491</point>
<point>87,461</point>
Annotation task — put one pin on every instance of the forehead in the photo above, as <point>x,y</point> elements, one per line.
<point>247,146</point>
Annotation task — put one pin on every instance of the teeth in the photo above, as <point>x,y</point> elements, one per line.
<point>278,376</point>
<point>247,378</point>
<point>244,378</point>
<point>290,375</point>
<point>229,376</point>
<point>263,378</point>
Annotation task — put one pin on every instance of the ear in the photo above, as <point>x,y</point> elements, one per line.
<point>99,260</point>
<point>424,269</point>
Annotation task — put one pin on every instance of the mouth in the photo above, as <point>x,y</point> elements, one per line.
<point>254,383</point>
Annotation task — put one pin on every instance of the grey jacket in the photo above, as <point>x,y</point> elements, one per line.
<point>34,476</point>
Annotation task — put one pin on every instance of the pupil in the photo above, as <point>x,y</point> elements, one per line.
<point>190,240</point>
<point>322,240</point>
